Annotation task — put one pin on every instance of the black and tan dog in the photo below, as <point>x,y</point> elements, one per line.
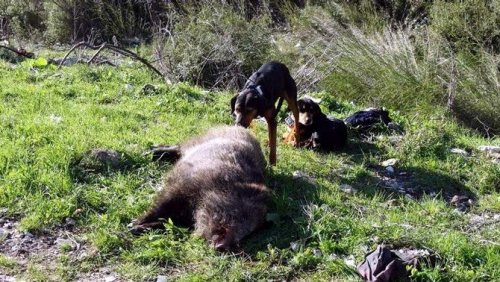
<point>316,130</point>
<point>258,98</point>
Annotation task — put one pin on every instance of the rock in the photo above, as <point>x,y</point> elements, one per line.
<point>8,225</point>
<point>489,149</point>
<point>107,157</point>
<point>299,175</point>
<point>394,140</point>
<point>346,188</point>
<point>462,203</point>
<point>459,199</point>
<point>161,278</point>
<point>390,169</point>
<point>297,245</point>
<point>394,184</point>
<point>27,235</point>
<point>97,161</point>
<point>414,256</point>
<point>317,253</point>
<point>350,261</point>
<point>55,119</point>
<point>3,211</point>
<point>477,219</point>
<point>459,152</point>
<point>390,162</point>
<point>129,87</point>
<point>4,234</point>
<point>7,278</point>
<point>70,222</point>
<point>60,242</point>
<point>110,278</point>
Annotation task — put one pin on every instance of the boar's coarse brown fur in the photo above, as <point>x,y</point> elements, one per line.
<point>217,186</point>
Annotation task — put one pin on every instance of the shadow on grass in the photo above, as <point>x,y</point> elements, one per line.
<point>286,215</point>
<point>93,164</point>
<point>412,182</point>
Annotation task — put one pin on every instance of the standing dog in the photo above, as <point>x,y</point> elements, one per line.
<point>217,186</point>
<point>258,98</point>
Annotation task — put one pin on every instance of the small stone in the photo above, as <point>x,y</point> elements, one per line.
<point>390,169</point>
<point>4,234</point>
<point>409,197</point>
<point>458,200</point>
<point>55,119</point>
<point>70,222</point>
<point>333,256</point>
<point>295,246</point>
<point>459,152</point>
<point>128,87</point>
<point>350,261</point>
<point>476,219</point>
<point>317,253</point>
<point>109,278</point>
<point>297,175</point>
<point>395,127</point>
<point>395,139</point>
<point>494,155</point>
<point>390,162</point>
<point>460,209</point>
<point>302,176</point>
<point>491,149</point>
<point>64,242</point>
<point>346,188</point>
<point>161,278</point>
<point>27,235</point>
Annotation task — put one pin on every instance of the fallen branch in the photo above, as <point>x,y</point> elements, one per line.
<point>20,52</point>
<point>117,49</point>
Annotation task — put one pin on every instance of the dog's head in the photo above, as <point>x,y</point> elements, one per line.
<point>308,111</point>
<point>247,105</point>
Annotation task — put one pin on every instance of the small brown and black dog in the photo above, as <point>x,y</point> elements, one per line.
<point>258,98</point>
<point>316,130</point>
<point>217,186</point>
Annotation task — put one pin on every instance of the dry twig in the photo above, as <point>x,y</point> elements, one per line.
<point>117,49</point>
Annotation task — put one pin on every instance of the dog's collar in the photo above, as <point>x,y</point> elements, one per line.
<point>258,89</point>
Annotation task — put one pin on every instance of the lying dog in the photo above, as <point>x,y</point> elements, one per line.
<point>217,186</point>
<point>316,130</point>
<point>258,98</point>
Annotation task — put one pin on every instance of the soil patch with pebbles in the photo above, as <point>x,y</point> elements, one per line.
<point>43,249</point>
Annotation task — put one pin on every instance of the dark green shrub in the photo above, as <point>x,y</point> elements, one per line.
<point>468,24</point>
<point>214,46</point>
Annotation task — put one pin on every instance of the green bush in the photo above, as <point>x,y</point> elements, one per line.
<point>25,18</point>
<point>468,24</point>
<point>214,46</point>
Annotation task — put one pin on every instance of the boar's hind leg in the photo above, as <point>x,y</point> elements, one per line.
<point>175,208</point>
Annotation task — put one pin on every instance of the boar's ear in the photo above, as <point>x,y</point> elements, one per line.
<point>233,103</point>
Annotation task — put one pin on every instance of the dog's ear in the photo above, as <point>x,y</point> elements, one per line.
<point>233,103</point>
<point>315,107</point>
<point>300,103</point>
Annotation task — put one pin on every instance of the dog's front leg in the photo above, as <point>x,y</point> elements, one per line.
<point>292,104</point>
<point>271,127</point>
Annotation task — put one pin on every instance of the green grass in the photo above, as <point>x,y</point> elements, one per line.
<point>49,117</point>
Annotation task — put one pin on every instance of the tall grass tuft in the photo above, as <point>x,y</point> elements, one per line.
<point>411,68</point>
